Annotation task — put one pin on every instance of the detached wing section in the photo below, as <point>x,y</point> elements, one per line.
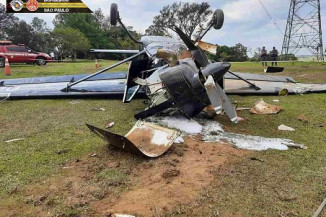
<point>269,85</point>
<point>103,85</point>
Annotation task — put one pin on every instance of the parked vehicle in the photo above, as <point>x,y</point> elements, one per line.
<point>21,54</point>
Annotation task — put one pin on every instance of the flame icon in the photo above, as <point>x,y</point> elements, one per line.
<point>32,5</point>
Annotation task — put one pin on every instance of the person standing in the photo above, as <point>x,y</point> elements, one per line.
<point>263,56</point>
<point>274,56</point>
<point>52,55</point>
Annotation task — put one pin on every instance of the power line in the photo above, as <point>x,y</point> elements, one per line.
<point>270,16</point>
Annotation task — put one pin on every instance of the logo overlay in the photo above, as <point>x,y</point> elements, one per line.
<point>16,5</point>
<point>47,6</point>
<point>32,5</point>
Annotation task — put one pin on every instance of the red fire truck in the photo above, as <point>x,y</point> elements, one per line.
<point>21,54</point>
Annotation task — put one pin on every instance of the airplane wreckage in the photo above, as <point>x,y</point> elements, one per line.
<point>173,74</point>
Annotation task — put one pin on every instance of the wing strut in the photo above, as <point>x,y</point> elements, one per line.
<point>103,70</point>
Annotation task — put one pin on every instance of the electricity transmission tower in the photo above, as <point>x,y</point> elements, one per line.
<point>303,29</point>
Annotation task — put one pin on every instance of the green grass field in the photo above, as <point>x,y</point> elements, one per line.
<point>288,183</point>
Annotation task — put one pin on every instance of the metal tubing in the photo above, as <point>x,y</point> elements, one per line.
<point>103,70</point>
<point>123,26</point>
<point>245,80</point>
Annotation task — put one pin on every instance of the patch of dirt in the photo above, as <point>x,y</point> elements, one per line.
<point>172,179</point>
<point>119,182</point>
<point>171,173</point>
<point>303,118</point>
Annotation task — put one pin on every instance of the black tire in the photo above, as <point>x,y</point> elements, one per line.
<point>218,19</point>
<point>2,62</point>
<point>40,61</point>
<point>114,14</point>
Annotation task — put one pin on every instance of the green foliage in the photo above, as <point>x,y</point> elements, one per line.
<point>41,36</point>
<point>21,33</point>
<point>85,23</point>
<point>187,16</point>
<point>69,41</point>
<point>288,57</point>
<point>237,53</point>
<point>97,29</point>
<point>7,21</point>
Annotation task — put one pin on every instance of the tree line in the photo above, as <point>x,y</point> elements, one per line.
<point>74,34</point>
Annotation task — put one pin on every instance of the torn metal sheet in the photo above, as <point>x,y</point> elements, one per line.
<point>211,48</point>
<point>143,139</point>
<point>263,108</point>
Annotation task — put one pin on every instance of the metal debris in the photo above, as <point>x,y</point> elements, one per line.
<point>144,139</point>
<point>212,131</point>
<point>109,125</point>
<point>211,48</point>
<point>98,109</point>
<point>15,140</point>
<point>242,108</point>
<point>263,108</point>
<point>120,215</point>
<point>320,209</point>
<point>285,128</point>
<point>74,102</point>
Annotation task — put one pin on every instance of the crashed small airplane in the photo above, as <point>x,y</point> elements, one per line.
<point>173,74</point>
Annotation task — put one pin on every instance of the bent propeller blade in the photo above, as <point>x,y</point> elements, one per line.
<point>227,106</point>
<point>219,99</point>
<point>213,94</point>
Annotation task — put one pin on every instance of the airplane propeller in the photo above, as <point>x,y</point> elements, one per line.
<point>215,93</point>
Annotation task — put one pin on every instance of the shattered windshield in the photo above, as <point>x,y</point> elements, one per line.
<point>153,43</point>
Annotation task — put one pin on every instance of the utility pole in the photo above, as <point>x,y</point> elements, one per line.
<point>303,29</point>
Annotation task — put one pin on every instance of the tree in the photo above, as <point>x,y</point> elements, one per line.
<point>223,53</point>
<point>102,20</point>
<point>187,16</point>
<point>85,23</point>
<point>7,21</point>
<point>41,36</point>
<point>288,57</point>
<point>21,33</point>
<point>239,53</point>
<point>69,41</point>
<point>236,53</point>
<point>39,25</point>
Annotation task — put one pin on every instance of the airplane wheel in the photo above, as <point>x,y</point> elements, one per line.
<point>218,19</point>
<point>114,13</point>
<point>2,62</point>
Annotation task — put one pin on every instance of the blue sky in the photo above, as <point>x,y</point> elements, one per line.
<point>245,20</point>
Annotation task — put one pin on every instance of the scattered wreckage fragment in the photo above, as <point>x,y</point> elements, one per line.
<point>263,108</point>
<point>143,139</point>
